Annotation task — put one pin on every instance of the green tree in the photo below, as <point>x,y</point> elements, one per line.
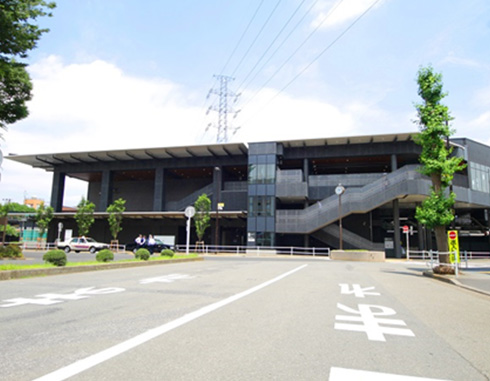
<point>44,215</point>
<point>202,218</point>
<point>5,209</point>
<point>18,35</point>
<point>9,230</point>
<point>433,119</point>
<point>20,208</point>
<point>116,210</point>
<point>84,216</point>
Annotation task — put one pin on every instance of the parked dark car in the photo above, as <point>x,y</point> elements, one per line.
<point>156,248</point>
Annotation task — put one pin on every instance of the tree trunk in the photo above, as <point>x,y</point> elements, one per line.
<point>442,245</point>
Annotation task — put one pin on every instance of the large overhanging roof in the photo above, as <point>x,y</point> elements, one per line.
<point>51,160</point>
<point>365,139</point>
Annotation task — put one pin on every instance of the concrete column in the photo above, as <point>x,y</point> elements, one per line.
<point>307,240</point>
<point>396,226</point>
<point>421,236</point>
<point>105,190</point>
<point>306,170</point>
<point>394,163</point>
<point>57,191</point>
<point>159,190</point>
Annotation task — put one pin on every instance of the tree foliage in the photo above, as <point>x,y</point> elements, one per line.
<point>437,162</point>
<point>84,216</point>
<point>4,209</point>
<point>9,230</point>
<point>202,218</point>
<point>20,208</point>
<point>44,215</point>
<point>116,210</point>
<point>18,35</point>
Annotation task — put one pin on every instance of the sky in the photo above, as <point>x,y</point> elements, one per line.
<point>122,74</point>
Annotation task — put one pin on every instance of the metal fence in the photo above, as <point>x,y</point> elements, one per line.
<point>432,258</point>
<point>465,255</point>
<point>256,250</point>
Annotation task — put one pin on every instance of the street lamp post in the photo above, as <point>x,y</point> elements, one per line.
<point>339,190</point>
<point>218,186</point>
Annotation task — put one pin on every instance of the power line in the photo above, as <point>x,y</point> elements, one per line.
<point>241,37</point>
<point>296,50</point>
<point>256,37</point>
<point>279,46</point>
<point>272,43</point>
<point>317,57</point>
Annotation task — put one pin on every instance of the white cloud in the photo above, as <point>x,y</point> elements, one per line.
<point>453,59</point>
<point>335,13</point>
<point>92,106</point>
<point>96,106</point>
<point>270,117</point>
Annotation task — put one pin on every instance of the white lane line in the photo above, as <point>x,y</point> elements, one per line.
<point>342,374</point>
<point>91,361</point>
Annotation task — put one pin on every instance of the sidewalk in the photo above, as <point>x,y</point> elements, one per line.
<point>475,278</point>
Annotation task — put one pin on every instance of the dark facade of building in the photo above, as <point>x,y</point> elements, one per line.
<point>277,193</point>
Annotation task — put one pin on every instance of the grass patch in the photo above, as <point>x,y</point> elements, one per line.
<point>8,267</point>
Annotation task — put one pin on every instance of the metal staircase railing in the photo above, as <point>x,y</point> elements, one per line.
<point>406,180</point>
<point>330,235</point>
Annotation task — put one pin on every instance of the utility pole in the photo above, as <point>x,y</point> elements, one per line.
<point>223,108</point>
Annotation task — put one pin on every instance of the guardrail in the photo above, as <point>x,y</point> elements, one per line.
<point>432,258</point>
<point>256,250</point>
<point>465,255</point>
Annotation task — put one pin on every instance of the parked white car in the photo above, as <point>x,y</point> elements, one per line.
<point>81,244</point>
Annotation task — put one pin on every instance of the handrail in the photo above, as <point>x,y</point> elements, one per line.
<point>354,200</point>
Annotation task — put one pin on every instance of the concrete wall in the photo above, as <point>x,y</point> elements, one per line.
<point>359,256</point>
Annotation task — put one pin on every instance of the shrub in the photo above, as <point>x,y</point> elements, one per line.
<point>11,251</point>
<point>142,254</point>
<point>56,257</point>
<point>167,253</point>
<point>104,255</point>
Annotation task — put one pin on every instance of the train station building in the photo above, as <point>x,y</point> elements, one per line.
<point>283,193</point>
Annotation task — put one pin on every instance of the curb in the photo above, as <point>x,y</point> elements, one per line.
<point>29,273</point>
<point>455,282</point>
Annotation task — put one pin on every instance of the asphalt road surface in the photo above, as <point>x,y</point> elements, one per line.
<point>244,319</point>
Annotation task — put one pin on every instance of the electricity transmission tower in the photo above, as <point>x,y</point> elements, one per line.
<point>224,109</point>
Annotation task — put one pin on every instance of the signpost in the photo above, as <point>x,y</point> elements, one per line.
<point>453,244</point>
<point>60,228</point>
<point>189,212</point>
<point>406,231</point>
<point>339,190</point>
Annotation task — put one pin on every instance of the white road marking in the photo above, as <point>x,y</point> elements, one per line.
<point>357,290</point>
<point>166,278</point>
<point>370,322</point>
<point>91,361</point>
<point>48,299</point>
<point>342,374</point>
